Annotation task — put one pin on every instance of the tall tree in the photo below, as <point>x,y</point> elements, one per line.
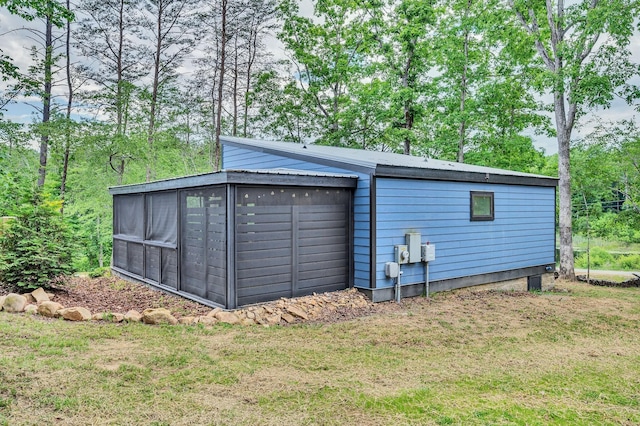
<point>30,10</point>
<point>108,36</point>
<point>172,36</point>
<point>224,39</point>
<point>67,134</point>
<point>584,50</point>
<point>46,93</point>
<point>328,54</point>
<point>405,44</point>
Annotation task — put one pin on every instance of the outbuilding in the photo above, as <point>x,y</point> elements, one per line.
<point>236,237</point>
<point>286,219</point>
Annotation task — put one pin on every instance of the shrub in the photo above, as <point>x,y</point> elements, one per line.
<point>630,262</point>
<point>36,247</point>
<point>599,257</point>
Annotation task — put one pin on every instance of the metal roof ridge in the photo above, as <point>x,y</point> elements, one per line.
<point>402,161</point>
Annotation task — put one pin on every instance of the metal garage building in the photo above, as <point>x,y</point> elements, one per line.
<point>289,219</point>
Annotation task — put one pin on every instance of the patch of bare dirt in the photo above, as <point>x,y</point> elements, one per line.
<point>111,294</point>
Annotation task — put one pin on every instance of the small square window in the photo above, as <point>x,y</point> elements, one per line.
<point>481,206</point>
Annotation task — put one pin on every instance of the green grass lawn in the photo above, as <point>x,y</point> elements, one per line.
<point>462,358</point>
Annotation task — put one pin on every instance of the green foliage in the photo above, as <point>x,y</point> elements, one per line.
<point>99,272</point>
<point>630,262</point>
<point>31,9</point>
<point>599,257</point>
<point>36,247</point>
<point>18,169</point>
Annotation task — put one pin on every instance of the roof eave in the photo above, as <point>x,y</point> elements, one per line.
<point>238,177</point>
<point>463,176</point>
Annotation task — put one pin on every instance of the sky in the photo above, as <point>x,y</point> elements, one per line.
<point>15,42</point>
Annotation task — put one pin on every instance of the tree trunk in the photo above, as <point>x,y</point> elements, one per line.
<point>223,46</point>
<point>46,102</point>
<point>407,82</point>
<point>234,129</point>
<point>100,251</point>
<point>67,135</point>
<point>462,130</point>
<point>564,127</point>
<point>154,92</point>
<point>253,48</point>
<point>119,72</point>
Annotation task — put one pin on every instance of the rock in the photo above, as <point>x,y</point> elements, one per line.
<point>268,309</point>
<point>213,313</point>
<point>14,303</point>
<point>31,309</point>
<point>108,316</point>
<point>206,320</point>
<point>40,295</point>
<point>158,316</point>
<point>2,301</point>
<point>117,317</point>
<point>297,311</point>
<point>288,318</point>
<point>133,316</point>
<point>251,315</point>
<point>75,314</point>
<point>188,320</point>
<point>247,321</point>
<point>227,317</point>
<point>273,319</point>
<point>30,298</point>
<point>49,309</point>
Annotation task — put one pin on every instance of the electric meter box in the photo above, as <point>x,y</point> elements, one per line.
<point>428,252</point>
<point>391,269</point>
<point>413,246</point>
<point>402,254</point>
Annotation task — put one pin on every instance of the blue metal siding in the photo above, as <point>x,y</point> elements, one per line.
<point>522,234</point>
<point>234,158</point>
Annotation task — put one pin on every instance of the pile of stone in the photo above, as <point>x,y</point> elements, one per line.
<point>283,311</point>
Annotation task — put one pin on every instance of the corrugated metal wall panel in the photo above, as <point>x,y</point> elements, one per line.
<point>522,234</point>
<point>239,158</point>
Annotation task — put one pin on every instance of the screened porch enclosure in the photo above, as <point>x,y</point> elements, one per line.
<point>233,244</point>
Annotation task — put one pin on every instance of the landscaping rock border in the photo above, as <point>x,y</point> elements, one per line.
<point>280,312</point>
<point>633,282</point>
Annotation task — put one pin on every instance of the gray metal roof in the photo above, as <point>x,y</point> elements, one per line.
<point>390,164</point>
<point>250,177</point>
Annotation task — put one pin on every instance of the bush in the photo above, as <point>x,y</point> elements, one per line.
<point>36,247</point>
<point>630,262</point>
<point>599,258</point>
